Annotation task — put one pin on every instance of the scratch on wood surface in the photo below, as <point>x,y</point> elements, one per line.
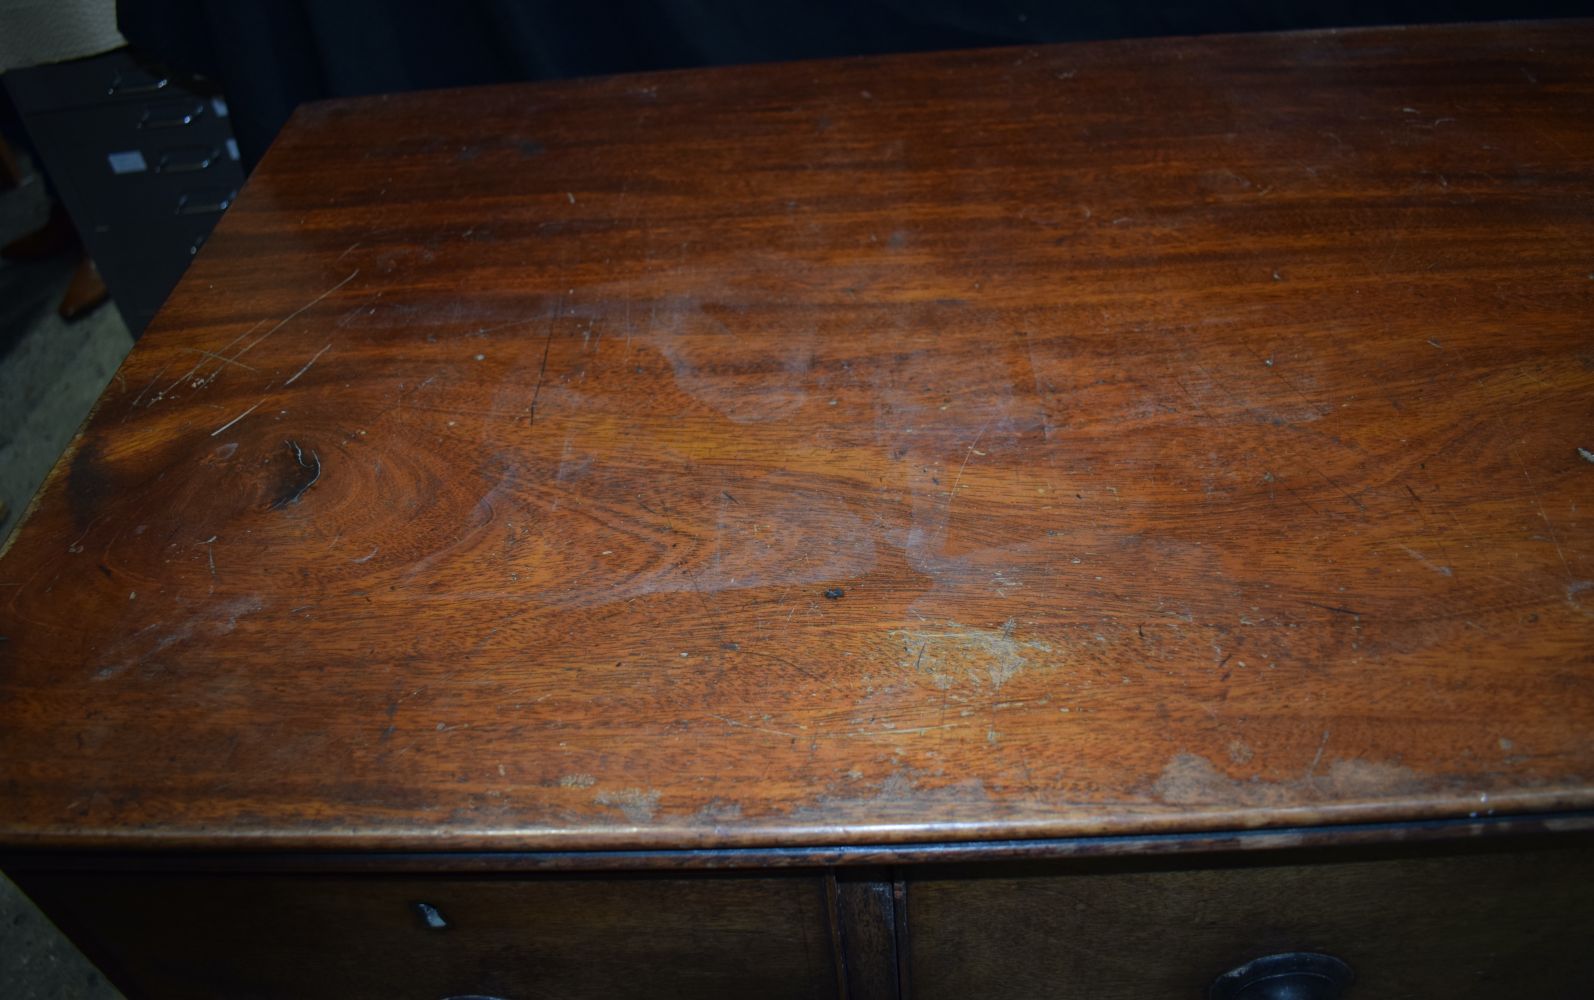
<point>1441,570</point>
<point>542,369</point>
<point>1277,372</point>
<point>307,365</point>
<point>1245,407</point>
<point>1317,757</point>
<point>234,420</point>
<point>1272,461</point>
<point>205,356</point>
<point>1336,609</point>
<point>290,317</point>
<point>213,356</point>
<point>152,382</point>
<point>1040,394</point>
<point>77,545</point>
<point>906,731</point>
<point>760,729</point>
<point>1538,506</point>
<point>952,495</point>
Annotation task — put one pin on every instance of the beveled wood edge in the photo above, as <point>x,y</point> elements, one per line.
<point>1544,828</point>
<point>664,838</point>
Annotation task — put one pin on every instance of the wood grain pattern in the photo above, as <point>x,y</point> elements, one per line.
<point>864,914</point>
<point>1474,925</point>
<point>241,936</point>
<point>1191,427</point>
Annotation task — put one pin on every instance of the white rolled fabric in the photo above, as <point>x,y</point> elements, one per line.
<point>34,32</point>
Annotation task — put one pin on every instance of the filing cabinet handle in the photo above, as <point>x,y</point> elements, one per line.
<point>134,81</point>
<point>1294,975</point>
<point>172,114</point>
<point>186,159</point>
<point>205,201</point>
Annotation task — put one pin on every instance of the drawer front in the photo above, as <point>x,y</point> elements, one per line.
<point>112,77</point>
<point>1469,925</point>
<point>427,938</point>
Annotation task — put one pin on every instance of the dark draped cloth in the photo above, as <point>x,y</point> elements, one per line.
<point>270,55</point>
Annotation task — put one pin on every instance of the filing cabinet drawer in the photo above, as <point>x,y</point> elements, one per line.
<point>113,77</point>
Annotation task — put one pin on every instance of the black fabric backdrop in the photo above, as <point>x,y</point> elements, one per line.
<point>269,55</point>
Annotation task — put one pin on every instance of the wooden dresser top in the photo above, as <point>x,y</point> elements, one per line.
<point>1110,438</point>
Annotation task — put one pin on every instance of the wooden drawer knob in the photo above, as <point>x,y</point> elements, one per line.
<point>1293,975</point>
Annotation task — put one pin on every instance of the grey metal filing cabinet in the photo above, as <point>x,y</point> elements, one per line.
<point>144,162</point>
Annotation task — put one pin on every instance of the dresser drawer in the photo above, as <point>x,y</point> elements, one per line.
<point>427,938</point>
<point>1475,924</point>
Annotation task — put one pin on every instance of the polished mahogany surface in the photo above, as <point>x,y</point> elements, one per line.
<point>1100,439</point>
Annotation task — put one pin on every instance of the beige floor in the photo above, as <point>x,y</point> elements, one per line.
<point>50,374</point>
<point>53,370</point>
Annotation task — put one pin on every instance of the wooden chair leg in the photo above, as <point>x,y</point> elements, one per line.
<point>10,169</point>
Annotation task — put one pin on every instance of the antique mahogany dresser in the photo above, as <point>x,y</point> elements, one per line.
<point>1104,521</point>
